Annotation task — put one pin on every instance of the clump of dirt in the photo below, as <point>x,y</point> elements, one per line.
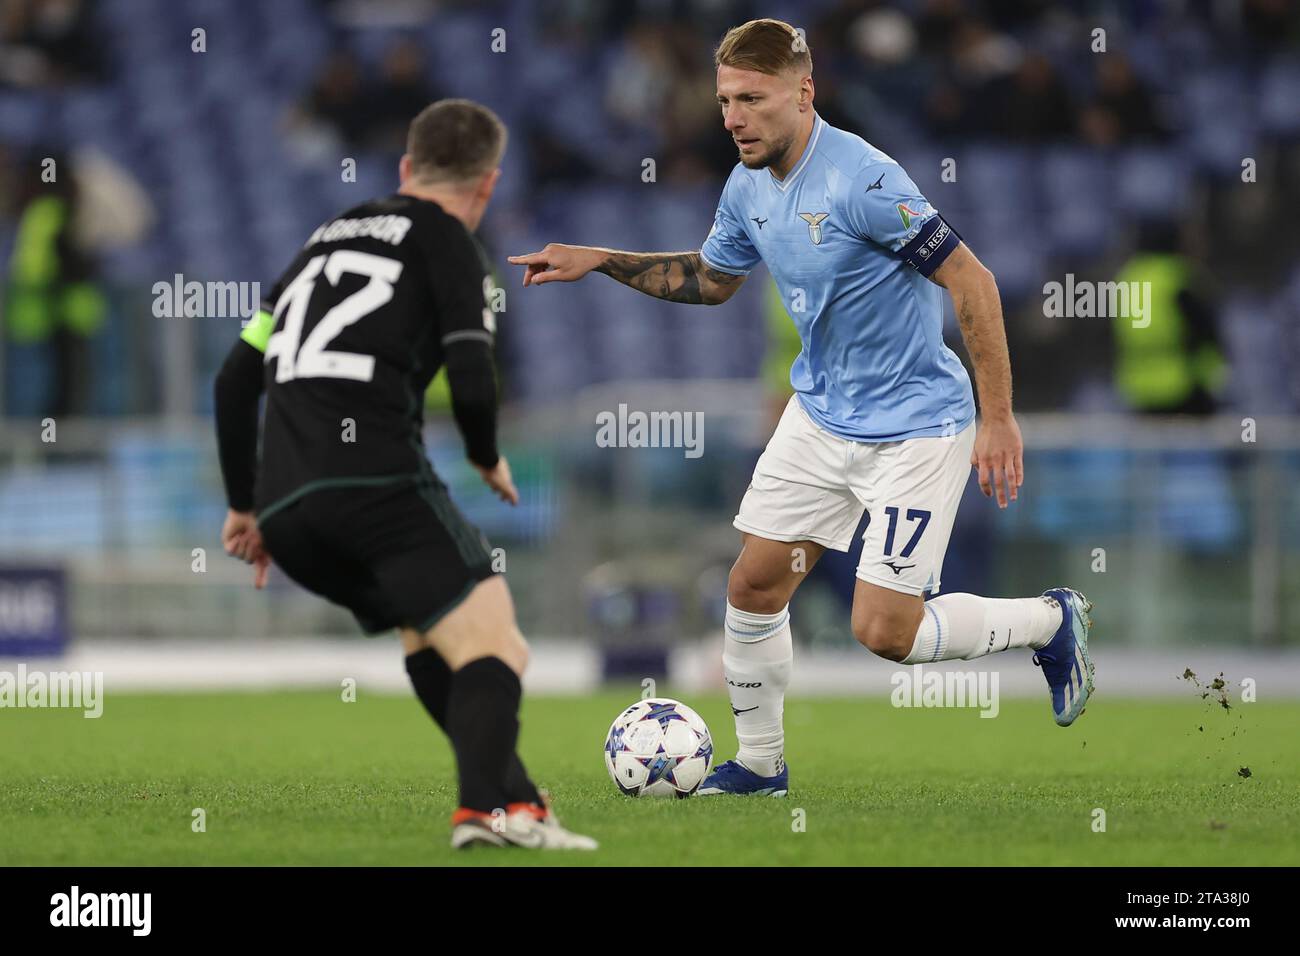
<point>1218,688</point>
<point>1215,692</point>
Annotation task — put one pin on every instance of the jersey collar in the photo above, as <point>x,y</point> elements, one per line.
<point>783,184</point>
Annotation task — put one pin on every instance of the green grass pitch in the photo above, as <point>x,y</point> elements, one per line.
<point>305,778</point>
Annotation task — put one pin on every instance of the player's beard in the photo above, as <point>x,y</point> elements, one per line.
<point>779,149</point>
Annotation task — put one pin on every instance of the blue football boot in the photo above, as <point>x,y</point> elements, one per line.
<point>1065,660</point>
<point>732,777</point>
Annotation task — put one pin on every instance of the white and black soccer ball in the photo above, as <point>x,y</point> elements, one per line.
<point>658,747</point>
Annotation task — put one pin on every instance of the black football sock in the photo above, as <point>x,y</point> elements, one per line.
<point>431,678</point>
<point>483,724</point>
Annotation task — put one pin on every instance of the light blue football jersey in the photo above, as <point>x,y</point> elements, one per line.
<point>851,242</point>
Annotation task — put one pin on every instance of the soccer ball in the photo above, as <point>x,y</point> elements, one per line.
<point>658,747</point>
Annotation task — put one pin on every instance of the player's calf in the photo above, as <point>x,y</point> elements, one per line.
<point>890,634</point>
<point>904,628</point>
<point>757,655</point>
<point>482,645</point>
<point>431,679</point>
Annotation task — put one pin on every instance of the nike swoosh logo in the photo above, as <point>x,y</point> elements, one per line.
<point>876,184</point>
<point>737,713</point>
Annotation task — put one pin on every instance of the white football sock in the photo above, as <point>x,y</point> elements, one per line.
<point>966,626</point>
<point>757,657</point>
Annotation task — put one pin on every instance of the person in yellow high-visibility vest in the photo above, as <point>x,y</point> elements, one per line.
<point>1169,362</point>
<point>51,296</point>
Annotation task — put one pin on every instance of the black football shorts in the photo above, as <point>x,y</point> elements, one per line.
<point>396,554</point>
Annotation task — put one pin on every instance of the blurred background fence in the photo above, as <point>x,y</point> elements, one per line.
<point>1181,531</point>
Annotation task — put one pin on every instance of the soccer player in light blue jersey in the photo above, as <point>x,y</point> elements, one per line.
<point>882,419</point>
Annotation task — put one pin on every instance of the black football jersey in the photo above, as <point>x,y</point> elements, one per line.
<point>361,320</point>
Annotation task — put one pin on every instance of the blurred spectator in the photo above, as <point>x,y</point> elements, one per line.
<point>9,195</point>
<point>1172,363</point>
<point>112,209</point>
<point>360,14</point>
<point>662,89</point>
<point>972,61</point>
<point>344,110</point>
<point>335,112</point>
<point>553,161</point>
<point>1032,104</point>
<point>1272,23</point>
<point>400,94</point>
<point>48,43</point>
<point>641,77</point>
<point>1123,109</point>
<point>936,26</point>
<point>870,70</point>
<point>697,146</point>
<point>53,302</point>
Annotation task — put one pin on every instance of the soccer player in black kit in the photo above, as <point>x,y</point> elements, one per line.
<point>344,499</point>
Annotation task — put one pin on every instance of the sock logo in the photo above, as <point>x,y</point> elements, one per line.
<point>992,636</point>
<point>737,713</point>
<point>749,686</point>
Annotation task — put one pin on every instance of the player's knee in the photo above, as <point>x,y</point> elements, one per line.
<point>746,594</point>
<point>508,646</point>
<point>887,637</point>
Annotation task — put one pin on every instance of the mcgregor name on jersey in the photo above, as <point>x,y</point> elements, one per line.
<point>391,229</point>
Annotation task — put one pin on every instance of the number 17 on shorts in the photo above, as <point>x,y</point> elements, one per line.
<point>913,497</point>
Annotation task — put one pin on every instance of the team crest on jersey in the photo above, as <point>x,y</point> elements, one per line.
<point>906,213</point>
<point>814,220</point>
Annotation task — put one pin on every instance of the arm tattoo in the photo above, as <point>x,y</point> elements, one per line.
<point>675,276</point>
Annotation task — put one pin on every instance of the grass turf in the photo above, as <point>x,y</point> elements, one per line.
<point>304,778</point>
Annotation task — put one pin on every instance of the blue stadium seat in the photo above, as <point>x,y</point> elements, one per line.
<point>1078,191</point>
<point>1279,98</point>
<point>1153,182</point>
<point>1220,114</point>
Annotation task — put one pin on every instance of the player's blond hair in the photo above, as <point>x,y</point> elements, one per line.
<point>453,141</point>
<point>765,46</point>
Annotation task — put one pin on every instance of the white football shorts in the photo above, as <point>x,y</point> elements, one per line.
<point>810,485</point>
